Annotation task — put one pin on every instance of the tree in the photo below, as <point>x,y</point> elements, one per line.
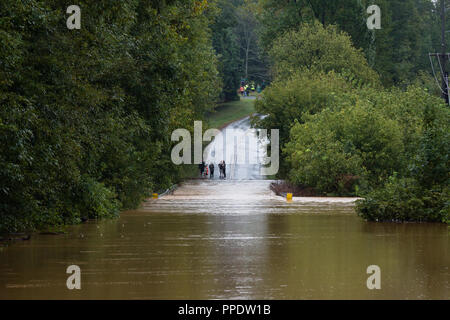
<point>236,42</point>
<point>86,115</point>
<point>277,17</point>
<point>337,150</point>
<point>226,45</point>
<point>315,47</point>
<point>288,100</point>
<point>315,68</point>
<point>398,51</point>
<point>402,45</point>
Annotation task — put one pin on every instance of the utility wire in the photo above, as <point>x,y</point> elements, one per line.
<point>434,73</point>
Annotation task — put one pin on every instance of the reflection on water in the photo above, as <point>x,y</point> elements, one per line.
<point>235,241</point>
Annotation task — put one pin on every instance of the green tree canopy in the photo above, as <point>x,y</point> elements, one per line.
<point>86,115</point>
<point>319,48</point>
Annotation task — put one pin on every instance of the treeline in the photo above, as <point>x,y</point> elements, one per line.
<point>344,130</point>
<point>236,42</point>
<point>86,115</point>
<point>410,29</point>
<point>244,32</point>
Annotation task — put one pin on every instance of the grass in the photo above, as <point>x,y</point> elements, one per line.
<point>231,111</point>
<point>189,171</point>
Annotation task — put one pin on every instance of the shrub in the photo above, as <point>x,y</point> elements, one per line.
<point>304,93</point>
<point>403,199</point>
<point>336,150</point>
<point>423,193</point>
<point>97,201</point>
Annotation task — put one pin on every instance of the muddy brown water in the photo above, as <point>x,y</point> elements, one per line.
<point>232,240</point>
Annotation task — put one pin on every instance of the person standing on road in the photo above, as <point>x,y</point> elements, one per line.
<point>222,168</point>
<point>201,167</point>
<point>211,170</point>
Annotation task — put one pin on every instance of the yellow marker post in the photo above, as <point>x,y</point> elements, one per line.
<point>155,196</point>
<point>289,197</point>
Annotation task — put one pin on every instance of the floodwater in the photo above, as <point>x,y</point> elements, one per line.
<point>242,150</point>
<point>232,239</point>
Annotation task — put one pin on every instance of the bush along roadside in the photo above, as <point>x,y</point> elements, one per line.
<point>402,200</point>
<point>424,194</point>
<point>342,133</point>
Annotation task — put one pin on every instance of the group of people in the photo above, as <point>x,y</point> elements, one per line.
<point>208,170</point>
<point>245,90</point>
<point>247,87</point>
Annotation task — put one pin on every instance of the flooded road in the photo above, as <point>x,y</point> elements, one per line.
<point>232,239</point>
<point>242,150</point>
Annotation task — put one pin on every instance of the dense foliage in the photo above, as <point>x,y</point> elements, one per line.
<point>336,149</point>
<point>226,44</point>
<point>235,40</point>
<point>410,29</point>
<point>304,93</point>
<point>317,48</point>
<point>341,132</point>
<point>315,68</point>
<point>86,115</point>
<point>421,192</point>
<point>279,16</point>
<point>357,146</point>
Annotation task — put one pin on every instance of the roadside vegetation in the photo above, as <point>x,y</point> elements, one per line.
<point>343,133</point>
<point>86,115</point>
<point>228,112</point>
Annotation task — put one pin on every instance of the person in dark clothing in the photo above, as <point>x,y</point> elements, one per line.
<point>220,170</point>
<point>224,166</point>
<point>211,170</point>
<point>201,166</point>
